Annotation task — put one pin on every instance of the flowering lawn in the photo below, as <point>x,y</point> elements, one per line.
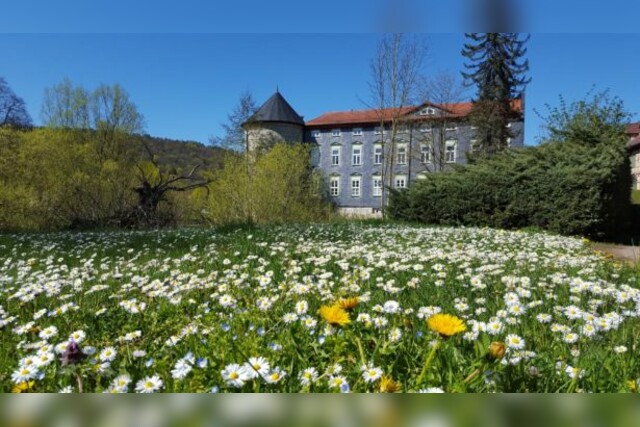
<point>321,308</point>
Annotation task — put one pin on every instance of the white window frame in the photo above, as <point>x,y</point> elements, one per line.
<point>401,160</point>
<point>425,149</point>
<point>376,186</point>
<point>378,130</point>
<point>428,111</point>
<point>334,186</point>
<point>356,158</point>
<point>473,145</point>
<point>403,129</point>
<point>450,143</point>
<point>377,157</point>
<point>451,127</point>
<point>509,141</point>
<point>356,186</point>
<point>335,158</point>
<point>336,133</point>
<point>426,128</point>
<point>357,132</point>
<point>400,181</point>
<point>315,133</point>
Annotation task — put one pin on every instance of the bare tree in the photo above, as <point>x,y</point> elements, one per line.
<point>443,93</point>
<point>234,137</point>
<point>13,110</point>
<point>395,76</point>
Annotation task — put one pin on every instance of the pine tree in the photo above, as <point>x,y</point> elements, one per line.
<point>497,68</point>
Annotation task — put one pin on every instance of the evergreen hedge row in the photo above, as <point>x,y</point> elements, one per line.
<point>566,187</point>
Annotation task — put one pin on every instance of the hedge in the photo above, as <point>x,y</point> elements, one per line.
<point>566,187</point>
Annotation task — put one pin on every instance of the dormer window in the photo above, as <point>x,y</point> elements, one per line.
<point>335,132</point>
<point>429,111</point>
<point>425,128</point>
<point>451,126</point>
<point>357,131</point>
<point>315,134</point>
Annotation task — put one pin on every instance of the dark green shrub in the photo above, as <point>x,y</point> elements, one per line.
<point>567,187</point>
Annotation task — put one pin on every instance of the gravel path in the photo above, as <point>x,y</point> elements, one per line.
<point>631,254</point>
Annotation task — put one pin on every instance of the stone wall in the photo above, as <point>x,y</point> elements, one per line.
<point>265,135</point>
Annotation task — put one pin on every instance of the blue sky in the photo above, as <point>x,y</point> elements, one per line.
<point>185,84</point>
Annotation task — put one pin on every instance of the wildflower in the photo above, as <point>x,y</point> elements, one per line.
<point>121,382</point>
<point>67,389</point>
<point>48,332</point>
<point>334,315</point>
<point>395,335</point>
<point>371,374</point>
<point>257,366</point>
<point>181,369</point>
<point>108,354</point>
<point>348,303</point>
<point>308,376</point>
<point>496,350</point>
<point>620,349</point>
<point>515,342</point>
<point>24,374</point>
<point>235,375</point>
<point>149,384</point>
<point>337,381</point>
<point>570,337</point>
<point>446,325</point>
<point>574,372</point>
<point>72,354</point>
<point>22,387</point>
<point>391,307</point>
<point>431,390</point>
<point>388,385</point>
<point>275,376</point>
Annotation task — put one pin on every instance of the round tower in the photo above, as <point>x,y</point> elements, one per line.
<point>275,121</point>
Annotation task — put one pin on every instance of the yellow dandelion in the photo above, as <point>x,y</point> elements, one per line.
<point>22,387</point>
<point>348,303</point>
<point>446,324</point>
<point>388,385</point>
<point>496,350</point>
<point>632,386</point>
<point>334,315</point>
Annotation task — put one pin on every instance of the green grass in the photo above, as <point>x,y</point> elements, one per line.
<point>195,301</point>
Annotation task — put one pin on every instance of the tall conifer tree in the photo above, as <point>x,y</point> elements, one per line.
<point>497,68</point>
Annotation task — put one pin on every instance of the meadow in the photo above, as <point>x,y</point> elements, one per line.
<point>315,308</point>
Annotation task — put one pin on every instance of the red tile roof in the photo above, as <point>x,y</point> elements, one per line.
<point>633,128</point>
<point>373,116</point>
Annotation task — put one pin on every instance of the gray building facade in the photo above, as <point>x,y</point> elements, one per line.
<point>358,157</point>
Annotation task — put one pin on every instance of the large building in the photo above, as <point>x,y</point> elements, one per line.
<point>633,132</point>
<point>349,145</point>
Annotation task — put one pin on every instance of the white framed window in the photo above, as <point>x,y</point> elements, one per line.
<point>509,124</point>
<point>357,132</point>
<point>355,186</point>
<point>425,128</point>
<point>377,186</point>
<point>425,153</point>
<point>335,156</point>
<point>429,111</point>
<point>356,155</point>
<point>377,154</point>
<point>334,186</point>
<point>509,142</point>
<point>450,149</point>
<point>315,133</point>
<point>473,145</point>
<point>401,154</point>
<point>400,181</point>
<point>451,126</point>
<point>336,132</point>
<point>403,129</point>
<point>378,130</point>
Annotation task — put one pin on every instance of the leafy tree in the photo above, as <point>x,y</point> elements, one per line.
<point>497,68</point>
<point>13,110</point>
<point>66,106</point>
<point>233,138</point>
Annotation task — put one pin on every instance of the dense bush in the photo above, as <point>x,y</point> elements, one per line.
<point>566,187</point>
<point>577,182</point>
<point>277,186</point>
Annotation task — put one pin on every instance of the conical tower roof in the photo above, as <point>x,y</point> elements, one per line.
<point>276,109</point>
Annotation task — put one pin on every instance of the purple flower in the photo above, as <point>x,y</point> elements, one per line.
<point>72,354</point>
